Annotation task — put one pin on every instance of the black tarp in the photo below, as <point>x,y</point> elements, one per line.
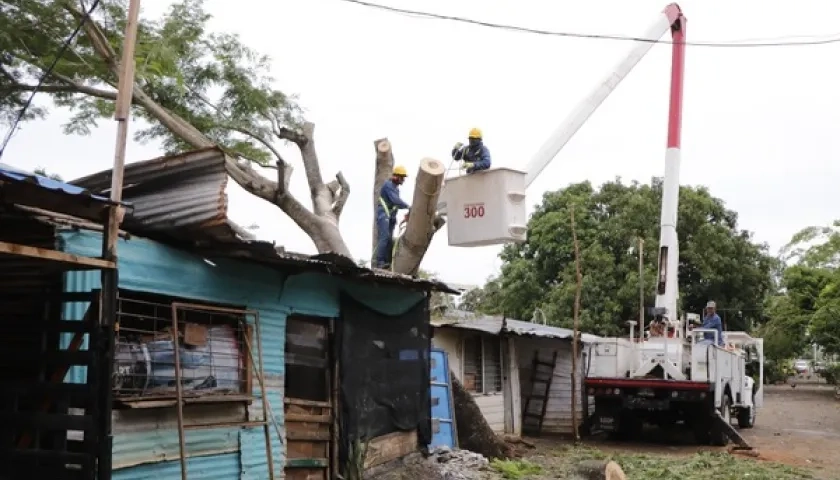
<point>384,373</point>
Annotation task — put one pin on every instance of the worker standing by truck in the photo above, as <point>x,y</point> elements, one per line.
<point>386,217</point>
<point>476,156</point>
<point>711,321</point>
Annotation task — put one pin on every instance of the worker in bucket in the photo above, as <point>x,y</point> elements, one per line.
<point>711,321</point>
<point>386,217</point>
<point>476,156</point>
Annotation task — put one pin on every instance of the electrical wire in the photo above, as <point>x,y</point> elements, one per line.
<point>828,39</point>
<point>67,42</point>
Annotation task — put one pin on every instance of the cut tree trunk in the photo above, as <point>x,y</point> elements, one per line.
<point>384,167</point>
<point>420,229</point>
<point>474,433</point>
<point>599,470</point>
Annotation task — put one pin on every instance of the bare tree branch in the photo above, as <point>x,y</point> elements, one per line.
<point>343,194</point>
<point>284,133</point>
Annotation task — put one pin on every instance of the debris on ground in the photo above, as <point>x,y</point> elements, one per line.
<point>442,463</point>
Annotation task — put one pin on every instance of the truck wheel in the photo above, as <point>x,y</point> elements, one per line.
<point>746,416</point>
<point>719,436</point>
<point>629,426</point>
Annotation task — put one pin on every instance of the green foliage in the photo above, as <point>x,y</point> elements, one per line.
<point>43,172</point>
<point>808,308</point>
<point>831,373</point>
<point>699,466</point>
<point>211,80</point>
<point>717,260</point>
<point>515,469</point>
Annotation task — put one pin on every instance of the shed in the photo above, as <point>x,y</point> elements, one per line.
<point>506,363</point>
<point>323,338</point>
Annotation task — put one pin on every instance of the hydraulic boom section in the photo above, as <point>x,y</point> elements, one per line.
<point>671,19</point>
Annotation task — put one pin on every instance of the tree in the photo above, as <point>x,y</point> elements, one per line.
<point>717,260</point>
<point>807,309</point>
<point>194,89</point>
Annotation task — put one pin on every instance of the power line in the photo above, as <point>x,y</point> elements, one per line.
<point>834,38</point>
<point>64,47</point>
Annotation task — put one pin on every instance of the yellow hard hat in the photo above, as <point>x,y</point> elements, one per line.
<point>475,133</point>
<point>401,171</point>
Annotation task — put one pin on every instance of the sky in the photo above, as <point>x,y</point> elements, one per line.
<point>758,122</point>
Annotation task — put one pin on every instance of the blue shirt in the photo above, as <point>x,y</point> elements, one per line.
<point>478,155</point>
<point>390,196</point>
<point>713,323</point>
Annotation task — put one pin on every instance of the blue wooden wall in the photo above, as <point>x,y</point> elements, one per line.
<point>144,450</point>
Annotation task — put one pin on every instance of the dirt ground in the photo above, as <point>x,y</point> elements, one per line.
<point>797,426</point>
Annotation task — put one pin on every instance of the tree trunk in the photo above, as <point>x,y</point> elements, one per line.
<point>599,470</point>
<point>421,225</point>
<point>474,433</point>
<point>383,168</point>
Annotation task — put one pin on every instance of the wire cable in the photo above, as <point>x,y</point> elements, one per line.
<point>67,42</point>
<point>828,39</point>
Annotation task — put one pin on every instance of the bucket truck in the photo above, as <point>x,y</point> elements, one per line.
<point>665,377</point>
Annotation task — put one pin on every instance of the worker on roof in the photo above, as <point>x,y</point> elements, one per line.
<point>711,321</point>
<point>386,217</point>
<point>476,156</point>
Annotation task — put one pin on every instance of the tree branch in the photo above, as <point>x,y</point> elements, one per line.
<point>67,88</point>
<point>343,194</point>
<point>284,133</point>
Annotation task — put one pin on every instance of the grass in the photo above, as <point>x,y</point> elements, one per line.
<point>700,466</point>
<point>515,469</point>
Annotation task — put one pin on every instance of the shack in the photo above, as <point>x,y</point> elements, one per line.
<point>233,358</point>
<point>520,373</point>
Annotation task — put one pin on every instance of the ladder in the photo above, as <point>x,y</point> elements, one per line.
<point>542,373</point>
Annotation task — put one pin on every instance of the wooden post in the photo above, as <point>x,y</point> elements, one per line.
<point>108,325</point>
<point>421,224</point>
<point>576,326</point>
<point>641,289</point>
<point>122,114</point>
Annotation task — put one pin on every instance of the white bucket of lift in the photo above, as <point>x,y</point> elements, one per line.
<point>486,208</point>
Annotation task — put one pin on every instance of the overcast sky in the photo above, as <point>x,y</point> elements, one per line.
<point>757,129</point>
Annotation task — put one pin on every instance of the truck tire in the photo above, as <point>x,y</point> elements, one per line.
<point>629,426</point>
<point>746,416</point>
<point>719,436</point>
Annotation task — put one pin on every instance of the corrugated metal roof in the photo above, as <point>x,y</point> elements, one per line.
<point>13,174</point>
<point>180,195</point>
<point>330,263</point>
<point>25,188</point>
<point>498,325</point>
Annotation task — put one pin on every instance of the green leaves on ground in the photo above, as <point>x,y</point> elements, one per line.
<point>700,466</point>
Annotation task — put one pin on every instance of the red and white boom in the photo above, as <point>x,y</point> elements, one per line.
<point>671,19</point>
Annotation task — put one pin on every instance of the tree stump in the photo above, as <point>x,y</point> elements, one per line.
<point>474,433</point>
<point>599,470</point>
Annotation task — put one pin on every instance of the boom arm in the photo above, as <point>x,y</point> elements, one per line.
<point>670,19</point>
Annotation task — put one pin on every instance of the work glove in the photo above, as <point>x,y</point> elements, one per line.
<point>458,146</point>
